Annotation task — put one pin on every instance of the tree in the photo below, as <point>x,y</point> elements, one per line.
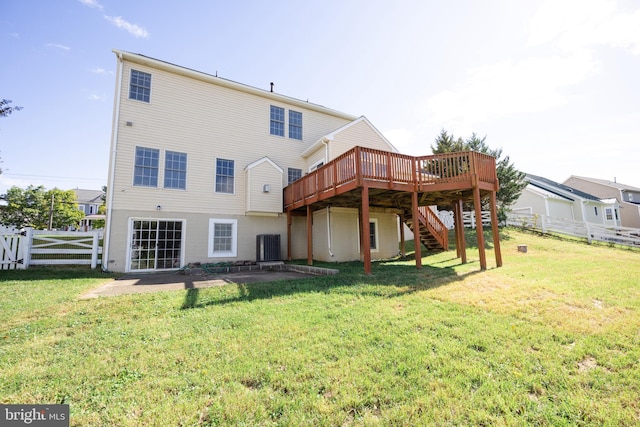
<point>6,109</point>
<point>41,209</point>
<point>511,180</point>
<point>102,209</point>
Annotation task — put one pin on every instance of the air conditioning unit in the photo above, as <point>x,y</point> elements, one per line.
<point>267,247</point>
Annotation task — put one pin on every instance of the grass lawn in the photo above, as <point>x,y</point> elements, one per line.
<point>551,338</point>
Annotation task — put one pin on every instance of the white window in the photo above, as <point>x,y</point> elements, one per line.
<point>293,175</point>
<point>224,176</point>
<point>316,165</point>
<point>373,235</point>
<point>295,125</point>
<point>223,238</point>
<point>140,86</point>
<point>609,214</point>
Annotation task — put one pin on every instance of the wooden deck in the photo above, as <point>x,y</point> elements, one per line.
<point>363,178</point>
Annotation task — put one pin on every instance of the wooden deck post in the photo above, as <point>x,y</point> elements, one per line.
<point>477,206</point>
<point>366,243</point>
<point>495,229</point>
<point>416,234</point>
<point>309,235</point>
<point>461,243</point>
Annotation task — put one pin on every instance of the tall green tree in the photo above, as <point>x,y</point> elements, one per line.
<point>37,207</point>
<point>512,181</point>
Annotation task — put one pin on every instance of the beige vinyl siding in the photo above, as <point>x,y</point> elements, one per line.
<point>207,122</point>
<point>345,236</point>
<point>196,236</point>
<point>259,201</point>
<point>359,134</point>
<point>318,155</point>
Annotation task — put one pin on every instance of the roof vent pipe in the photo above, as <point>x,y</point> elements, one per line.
<point>271,86</point>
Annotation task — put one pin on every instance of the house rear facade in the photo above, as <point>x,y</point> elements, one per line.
<point>198,165</point>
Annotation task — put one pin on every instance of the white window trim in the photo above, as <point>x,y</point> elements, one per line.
<point>234,242</point>
<point>315,166</point>
<point>129,88</point>
<point>377,234</point>
<point>215,177</point>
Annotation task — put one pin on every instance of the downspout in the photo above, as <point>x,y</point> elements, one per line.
<point>112,175</point>
<point>326,160</point>
<point>329,230</point>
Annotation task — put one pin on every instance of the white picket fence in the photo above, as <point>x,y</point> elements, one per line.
<point>545,224</point>
<point>19,250</point>
<point>468,218</point>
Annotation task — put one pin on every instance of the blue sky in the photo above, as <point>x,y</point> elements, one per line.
<point>554,83</point>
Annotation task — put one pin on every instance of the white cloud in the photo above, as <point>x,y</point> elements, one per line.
<point>98,70</point>
<point>94,97</point>
<point>133,29</point>
<point>92,3</point>
<point>58,46</point>
<point>578,24</point>
<point>507,88</point>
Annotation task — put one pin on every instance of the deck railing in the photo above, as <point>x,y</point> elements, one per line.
<point>359,164</point>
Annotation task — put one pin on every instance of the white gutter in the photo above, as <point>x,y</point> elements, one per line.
<point>112,171</point>
<point>329,230</point>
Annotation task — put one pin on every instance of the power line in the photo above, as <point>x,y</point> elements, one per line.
<point>67,178</point>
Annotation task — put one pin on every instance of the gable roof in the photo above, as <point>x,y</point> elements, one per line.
<point>262,160</point>
<point>559,189</point>
<point>606,182</point>
<point>208,78</point>
<point>88,196</point>
<point>331,136</point>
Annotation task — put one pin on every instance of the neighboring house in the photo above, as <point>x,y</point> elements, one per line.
<point>201,170</point>
<point>88,202</point>
<point>543,196</point>
<point>627,196</point>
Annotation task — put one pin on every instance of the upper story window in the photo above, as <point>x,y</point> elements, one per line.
<point>293,175</point>
<point>175,170</point>
<point>277,121</point>
<point>140,87</point>
<point>295,125</point>
<point>224,176</point>
<point>146,167</point>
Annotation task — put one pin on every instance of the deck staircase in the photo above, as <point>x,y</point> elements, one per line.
<point>432,232</point>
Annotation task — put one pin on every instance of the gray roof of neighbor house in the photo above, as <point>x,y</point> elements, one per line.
<point>557,188</point>
<point>613,184</point>
<point>88,196</point>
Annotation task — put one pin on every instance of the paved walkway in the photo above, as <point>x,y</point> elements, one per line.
<point>154,282</point>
